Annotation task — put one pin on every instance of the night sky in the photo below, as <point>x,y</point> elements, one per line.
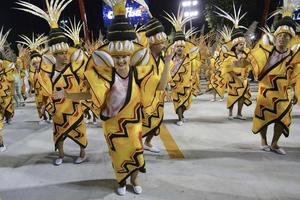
<point>24,23</point>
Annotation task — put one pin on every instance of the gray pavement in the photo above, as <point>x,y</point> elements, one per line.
<point>221,160</point>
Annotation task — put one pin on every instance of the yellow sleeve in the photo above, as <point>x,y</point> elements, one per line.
<point>254,66</point>
<point>99,81</point>
<point>148,82</point>
<point>195,65</point>
<point>170,80</point>
<point>226,67</point>
<point>295,76</point>
<point>46,83</point>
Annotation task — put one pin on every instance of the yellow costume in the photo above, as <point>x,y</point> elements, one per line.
<point>7,89</point>
<point>153,114</point>
<point>236,78</point>
<point>34,44</point>
<point>67,114</point>
<point>277,73</point>
<point>216,81</point>
<point>123,132</point>
<point>120,99</point>
<point>183,68</point>
<point>274,94</point>
<point>181,84</point>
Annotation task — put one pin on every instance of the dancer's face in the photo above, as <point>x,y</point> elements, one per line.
<point>158,48</point>
<point>61,58</point>
<point>121,61</point>
<point>240,47</point>
<point>179,50</point>
<point>282,40</point>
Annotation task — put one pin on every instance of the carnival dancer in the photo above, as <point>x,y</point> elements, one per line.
<point>36,49</point>
<point>153,37</point>
<point>235,74</point>
<point>6,80</point>
<point>61,69</point>
<point>182,69</point>
<point>277,69</point>
<point>121,81</point>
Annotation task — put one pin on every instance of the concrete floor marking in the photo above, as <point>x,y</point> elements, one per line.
<point>170,144</point>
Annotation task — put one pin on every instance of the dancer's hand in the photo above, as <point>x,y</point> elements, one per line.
<point>168,57</point>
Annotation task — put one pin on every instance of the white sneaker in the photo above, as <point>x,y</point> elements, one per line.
<point>230,117</point>
<point>279,151</point>
<point>95,123</point>
<point>86,121</point>
<point>137,189</point>
<point>179,123</point>
<point>221,100</point>
<point>42,122</point>
<point>212,100</point>
<point>58,161</point>
<point>121,190</point>
<point>184,119</point>
<point>3,148</point>
<point>240,117</point>
<point>152,149</point>
<point>80,160</point>
<point>265,148</point>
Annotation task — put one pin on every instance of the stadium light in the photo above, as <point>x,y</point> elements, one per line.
<point>189,9</point>
<point>189,3</point>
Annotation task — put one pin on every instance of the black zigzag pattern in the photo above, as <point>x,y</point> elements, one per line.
<point>122,127</point>
<point>275,87</point>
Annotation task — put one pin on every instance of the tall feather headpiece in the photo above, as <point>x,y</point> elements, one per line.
<point>54,10</point>
<point>73,31</point>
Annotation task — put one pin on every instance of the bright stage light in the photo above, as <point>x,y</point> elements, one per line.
<point>191,13</point>
<point>189,3</point>
<point>186,3</point>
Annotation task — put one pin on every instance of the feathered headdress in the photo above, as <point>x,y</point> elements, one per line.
<point>154,30</point>
<point>235,18</point>
<point>267,37</point>
<point>190,33</point>
<point>120,33</point>
<point>54,8</point>
<point>34,44</point>
<point>23,59</point>
<point>237,34</point>
<point>73,31</point>
<point>57,40</point>
<point>178,23</point>
<point>93,45</point>
<point>226,34</point>
<point>3,38</point>
<point>286,24</point>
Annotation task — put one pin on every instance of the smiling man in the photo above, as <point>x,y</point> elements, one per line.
<point>277,69</point>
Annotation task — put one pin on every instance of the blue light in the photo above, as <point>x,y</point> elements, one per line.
<point>134,13</point>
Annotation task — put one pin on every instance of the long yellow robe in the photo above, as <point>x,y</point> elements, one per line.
<point>236,78</point>
<point>7,89</point>
<point>153,115</point>
<point>67,114</point>
<point>196,87</point>
<point>181,85</point>
<point>123,132</point>
<point>217,82</point>
<point>273,102</point>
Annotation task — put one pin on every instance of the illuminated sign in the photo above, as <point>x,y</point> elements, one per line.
<point>134,12</point>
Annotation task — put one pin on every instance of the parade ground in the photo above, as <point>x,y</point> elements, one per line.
<point>209,157</point>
